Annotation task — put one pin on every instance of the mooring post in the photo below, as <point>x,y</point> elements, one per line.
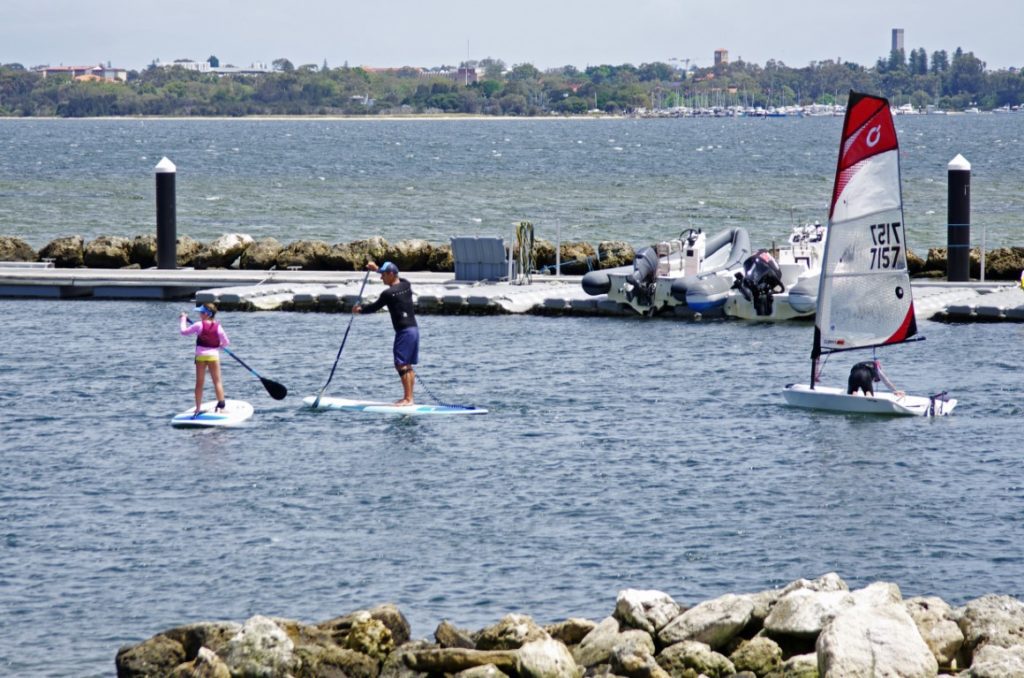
<point>558,247</point>
<point>958,221</point>
<point>166,216</point>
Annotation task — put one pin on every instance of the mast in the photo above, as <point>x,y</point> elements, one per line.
<point>864,292</point>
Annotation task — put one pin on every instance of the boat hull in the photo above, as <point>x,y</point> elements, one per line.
<point>832,399</point>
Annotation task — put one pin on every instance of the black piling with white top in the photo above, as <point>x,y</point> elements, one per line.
<point>958,223</point>
<point>166,216</point>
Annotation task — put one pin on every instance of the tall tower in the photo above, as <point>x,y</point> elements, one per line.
<point>897,39</point>
<point>721,57</point>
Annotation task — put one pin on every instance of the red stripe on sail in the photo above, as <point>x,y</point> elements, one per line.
<point>907,329</point>
<point>867,131</point>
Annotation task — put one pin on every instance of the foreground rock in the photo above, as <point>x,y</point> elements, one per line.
<point>808,629</point>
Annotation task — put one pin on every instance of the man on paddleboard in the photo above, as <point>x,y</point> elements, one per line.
<point>398,298</point>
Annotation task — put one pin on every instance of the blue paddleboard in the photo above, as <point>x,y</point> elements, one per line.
<point>235,413</point>
<point>387,408</point>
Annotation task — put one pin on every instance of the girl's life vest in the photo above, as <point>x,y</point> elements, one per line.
<point>208,337</point>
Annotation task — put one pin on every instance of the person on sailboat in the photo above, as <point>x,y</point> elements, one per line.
<point>863,376</point>
<point>398,298</point>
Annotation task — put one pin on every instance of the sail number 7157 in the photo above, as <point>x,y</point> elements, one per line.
<point>886,240</point>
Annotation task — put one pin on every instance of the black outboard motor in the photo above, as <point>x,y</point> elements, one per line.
<point>644,276</point>
<point>760,281</point>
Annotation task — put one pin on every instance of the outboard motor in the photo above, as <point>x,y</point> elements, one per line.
<point>760,281</point>
<point>642,279</point>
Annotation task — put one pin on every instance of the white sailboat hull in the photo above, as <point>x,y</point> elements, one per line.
<point>834,399</point>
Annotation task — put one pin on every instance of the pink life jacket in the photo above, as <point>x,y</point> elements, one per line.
<point>208,337</point>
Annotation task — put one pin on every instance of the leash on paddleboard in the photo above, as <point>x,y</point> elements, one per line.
<point>276,390</point>
<point>437,400</point>
<point>341,348</point>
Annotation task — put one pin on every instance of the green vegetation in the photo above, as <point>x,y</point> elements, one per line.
<point>947,82</point>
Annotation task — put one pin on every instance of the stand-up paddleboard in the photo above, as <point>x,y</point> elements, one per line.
<point>387,408</point>
<point>235,413</point>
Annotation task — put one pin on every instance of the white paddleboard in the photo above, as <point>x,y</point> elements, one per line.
<point>837,400</point>
<point>387,408</point>
<point>235,413</point>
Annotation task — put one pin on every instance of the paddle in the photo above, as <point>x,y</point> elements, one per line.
<point>277,391</point>
<point>316,402</point>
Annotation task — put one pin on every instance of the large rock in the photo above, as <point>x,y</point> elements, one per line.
<point>410,255</point>
<point>571,631</point>
<point>372,638</point>
<point>866,641</point>
<point>66,252</point>
<point>15,249</point>
<point>310,255</point>
<point>635,657</point>
<point>645,609</point>
<point>804,606</point>
<point>797,666</point>
<point>512,632</point>
<point>937,625</point>
<point>142,251</point>
<point>341,257</point>
<point>992,661</point>
<point>441,259</point>
<point>614,253</point>
<point>261,255</point>
<point>713,622</point>
<point>206,665</point>
<point>374,249</point>
<point>1004,263</point>
<point>260,648</point>
<point>991,620</point>
<point>107,252</point>
<point>577,257</point>
<point>759,655</point>
<point>223,251</point>
<point>448,635</point>
<point>186,249</point>
<point>339,628</point>
<point>152,658</point>
<point>598,645</point>
<point>690,658</point>
<point>546,658</point>
<point>915,264</point>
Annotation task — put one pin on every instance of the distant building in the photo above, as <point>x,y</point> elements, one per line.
<point>98,72</point>
<point>897,39</point>
<point>721,57</point>
<point>205,67</point>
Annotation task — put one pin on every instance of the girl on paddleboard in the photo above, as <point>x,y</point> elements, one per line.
<point>210,337</point>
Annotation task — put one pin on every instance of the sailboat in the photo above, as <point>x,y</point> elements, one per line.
<point>864,293</point>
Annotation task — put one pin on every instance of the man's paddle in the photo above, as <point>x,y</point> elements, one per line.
<point>277,391</point>
<point>316,402</point>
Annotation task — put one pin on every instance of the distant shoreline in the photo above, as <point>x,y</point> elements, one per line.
<point>447,117</point>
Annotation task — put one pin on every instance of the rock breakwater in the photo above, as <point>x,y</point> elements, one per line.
<point>239,250</point>
<point>806,629</point>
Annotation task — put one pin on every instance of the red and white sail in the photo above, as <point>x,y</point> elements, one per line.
<point>864,296</point>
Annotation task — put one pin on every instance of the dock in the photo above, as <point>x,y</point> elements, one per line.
<point>436,293</point>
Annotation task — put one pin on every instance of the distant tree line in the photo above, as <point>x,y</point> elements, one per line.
<point>949,82</point>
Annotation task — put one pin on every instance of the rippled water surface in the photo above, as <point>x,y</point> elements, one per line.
<point>341,180</point>
<point>617,453</point>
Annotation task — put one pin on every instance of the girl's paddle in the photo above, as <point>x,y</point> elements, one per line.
<point>277,391</point>
<point>316,402</point>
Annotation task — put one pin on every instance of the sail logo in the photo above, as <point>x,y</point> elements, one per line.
<point>874,136</point>
<point>886,240</point>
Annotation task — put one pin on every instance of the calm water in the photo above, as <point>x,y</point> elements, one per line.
<point>341,180</point>
<point>618,453</point>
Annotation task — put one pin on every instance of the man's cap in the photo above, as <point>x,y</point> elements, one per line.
<point>388,267</point>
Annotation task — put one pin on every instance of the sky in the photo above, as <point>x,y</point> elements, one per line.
<point>546,33</point>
